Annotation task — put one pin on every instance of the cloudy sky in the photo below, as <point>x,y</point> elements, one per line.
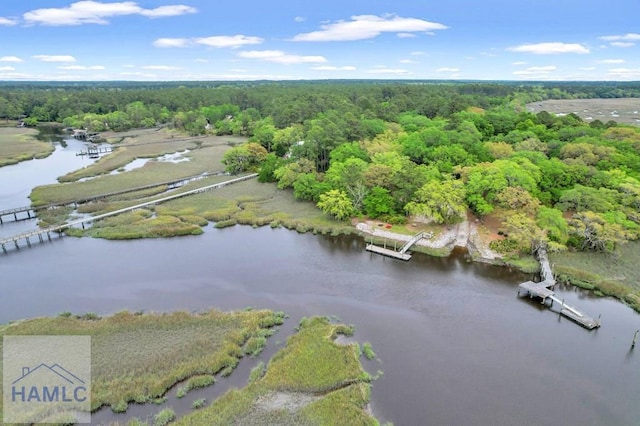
<point>320,39</point>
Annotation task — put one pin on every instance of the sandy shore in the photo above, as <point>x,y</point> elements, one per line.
<point>464,234</point>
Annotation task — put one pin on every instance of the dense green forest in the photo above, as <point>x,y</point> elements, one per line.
<point>391,149</point>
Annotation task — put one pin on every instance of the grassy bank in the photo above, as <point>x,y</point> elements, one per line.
<point>137,358</point>
<point>312,381</point>
<point>611,274</point>
<point>20,144</point>
<point>248,203</point>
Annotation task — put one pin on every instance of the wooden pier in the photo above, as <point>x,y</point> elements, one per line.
<point>30,211</point>
<point>95,151</point>
<point>544,291</point>
<point>396,254</point>
<point>26,237</point>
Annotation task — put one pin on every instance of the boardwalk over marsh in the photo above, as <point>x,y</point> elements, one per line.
<point>544,291</point>
<point>59,229</point>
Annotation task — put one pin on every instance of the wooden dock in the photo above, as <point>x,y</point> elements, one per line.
<point>544,291</point>
<point>30,211</point>
<point>95,151</point>
<point>26,237</point>
<point>396,254</point>
<point>387,252</point>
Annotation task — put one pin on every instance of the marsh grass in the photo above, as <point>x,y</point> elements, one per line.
<point>310,381</point>
<point>612,274</point>
<point>367,351</point>
<point>198,403</point>
<point>164,417</point>
<point>154,351</point>
<point>20,144</point>
<point>204,151</point>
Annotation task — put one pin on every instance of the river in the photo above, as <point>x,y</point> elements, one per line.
<point>456,343</point>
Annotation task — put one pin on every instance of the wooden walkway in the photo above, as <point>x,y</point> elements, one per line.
<point>95,151</point>
<point>31,211</point>
<point>26,237</point>
<point>397,254</point>
<point>544,291</point>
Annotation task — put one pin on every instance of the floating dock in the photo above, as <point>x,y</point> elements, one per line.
<point>387,252</point>
<point>399,254</point>
<point>544,291</point>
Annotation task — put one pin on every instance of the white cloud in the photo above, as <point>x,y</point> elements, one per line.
<point>15,76</point>
<point>233,42</point>
<point>549,48</point>
<point>408,61</point>
<point>397,71</point>
<point>587,68</point>
<point>165,11</point>
<point>536,72</point>
<point>612,61</point>
<point>625,73</point>
<point>94,12</point>
<point>547,68</point>
<point>518,63</point>
<point>7,69</point>
<point>622,44</point>
<point>332,68</point>
<point>280,57</point>
<point>10,59</point>
<point>138,74</point>
<point>625,37</point>
<point>81,67</point>
<point>299,19</point>
<point>202,61</point>
<point>364,27</point>
<point>228,41</point>
<point>171,42</point>
<point>406,35</point>
<point>8,22</point>
<point>447,69</point>
<point>160,67</point>
<point>55,58</point>
<point>418,53</point>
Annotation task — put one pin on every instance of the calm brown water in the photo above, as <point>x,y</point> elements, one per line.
<point>457,345</point>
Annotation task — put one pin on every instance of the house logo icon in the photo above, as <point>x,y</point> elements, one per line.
<point>46,379</point>
<point>48,383</point>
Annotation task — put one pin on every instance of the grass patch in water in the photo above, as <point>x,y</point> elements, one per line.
<point>367,351</point>
<point>198,403</point>
<point>164,417</point>
<point>155,351</point>
<point>310,381</point>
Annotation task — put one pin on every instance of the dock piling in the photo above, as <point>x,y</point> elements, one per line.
<point>635,339</point>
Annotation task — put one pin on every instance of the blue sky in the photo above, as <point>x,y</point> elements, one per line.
<point>282,39</point>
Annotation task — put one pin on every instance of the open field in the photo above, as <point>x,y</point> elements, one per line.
<point>20,144</point>
<point>139,357</point>
<point>312,381</point>
<point>621,110</point>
